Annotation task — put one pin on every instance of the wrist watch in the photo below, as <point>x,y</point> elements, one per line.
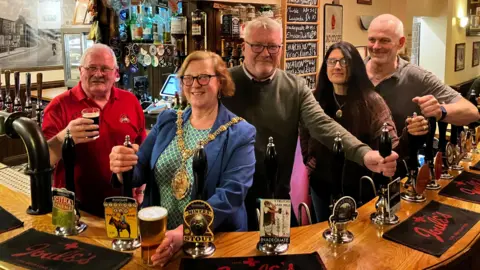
<point>444,113</point>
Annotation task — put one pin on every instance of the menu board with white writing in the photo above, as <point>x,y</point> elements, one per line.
<point>301,49</point>
<point>303,2</point>
<point>302,14</point>
<point>302,46</point>
<point>301,32</point>
<point>302,66</point>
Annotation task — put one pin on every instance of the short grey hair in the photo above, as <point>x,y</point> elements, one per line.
<point>392,20</point>
<point>265,22</point>
<point>95,47</point>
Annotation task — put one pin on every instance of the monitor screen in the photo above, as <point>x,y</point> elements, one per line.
<point>170,87</point>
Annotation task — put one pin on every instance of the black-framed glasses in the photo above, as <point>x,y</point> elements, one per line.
<point>331,62</point>
<point>103,69</point>
<point>258,48</point>
<point>202,79</point>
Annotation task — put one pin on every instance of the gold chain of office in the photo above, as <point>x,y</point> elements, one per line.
<point>180,184</point>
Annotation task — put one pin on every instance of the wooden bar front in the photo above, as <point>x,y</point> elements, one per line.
<point>367,251</point>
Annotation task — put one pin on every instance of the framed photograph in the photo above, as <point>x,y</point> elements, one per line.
<point>332,25</point>
<point>476,54</point>
<point>364,2</point>
<point>459,56</point>
<point>362,50</point>
<point>30,36</point>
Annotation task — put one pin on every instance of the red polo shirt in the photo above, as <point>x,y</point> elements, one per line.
<point>122,115</point>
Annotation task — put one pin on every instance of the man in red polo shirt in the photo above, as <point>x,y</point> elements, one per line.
<point>120,115</point>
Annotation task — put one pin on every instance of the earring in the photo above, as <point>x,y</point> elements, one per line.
<point>219,96</point>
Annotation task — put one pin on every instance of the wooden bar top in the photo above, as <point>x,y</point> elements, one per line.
<point>367,251</point>
<point>50,93</point>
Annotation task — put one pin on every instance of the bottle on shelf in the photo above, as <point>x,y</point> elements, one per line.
<point>139,25</point>
<point>199,29</point>
<point>167,37</point>
<point>250,12</point>
<point>178,30</point>
<point>158,27</point>
<point>132,24</point>
<point>147,25</point>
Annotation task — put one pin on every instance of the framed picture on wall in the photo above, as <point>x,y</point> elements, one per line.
<point>459,56</point>
<point>362,50</point>
<point>332,25</point>
<point>364,2</point>
<point>476,54</point>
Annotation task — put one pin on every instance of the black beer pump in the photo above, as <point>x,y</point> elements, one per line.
<point>442,148</point>
<point>417,181</point>
<point>126,201</point>
<point>198,214</point>
<point>271,172</point>
<point>68,158</point>
<point>128,175</point>
<point>432,126</point>
<point>389,188</point>
<point>17,103</point>
<point>343,208</point>
<point>8,95</point>
<point>28,95</point>
<point>271,168</point>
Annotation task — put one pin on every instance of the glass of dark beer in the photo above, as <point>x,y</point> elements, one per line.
<point>153,226</point>
<point>94,114</point>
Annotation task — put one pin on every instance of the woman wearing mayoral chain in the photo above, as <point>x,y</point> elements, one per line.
<point>164,160</point>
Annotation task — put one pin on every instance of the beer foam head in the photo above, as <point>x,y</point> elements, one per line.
<point>91,114</point>
<point>152,213</point>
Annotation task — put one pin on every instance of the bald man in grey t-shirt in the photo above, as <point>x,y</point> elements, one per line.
<point>407,88</point>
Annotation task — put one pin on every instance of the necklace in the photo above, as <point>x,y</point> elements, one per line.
<point>339,112</point>
<point>180,184</point>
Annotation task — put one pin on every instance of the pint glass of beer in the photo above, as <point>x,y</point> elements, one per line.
<point>153,225</point>
<point>94,114</point>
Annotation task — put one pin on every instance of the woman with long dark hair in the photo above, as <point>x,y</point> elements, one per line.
<point>346,94</point>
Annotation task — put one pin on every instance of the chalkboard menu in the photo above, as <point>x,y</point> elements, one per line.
<point>301,49</point>
<point>301,39</point>
<point>302,14</point>
<point>303,2</point>
<point>302,66</point>
<point>301,32</point>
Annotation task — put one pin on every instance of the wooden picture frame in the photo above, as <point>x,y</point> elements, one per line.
<point>459,56</point>
<point>364,2</point>
<point>362,50</point>
<point>80,14</point>
<point>476,54</point>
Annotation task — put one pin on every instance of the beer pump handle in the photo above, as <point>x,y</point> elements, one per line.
<point>68,156</point>
<point>385,149</point>
<point>453,134</point>
<point>7,81</point>
<point>28,85</point>
<point>432,126</point>
<point>413,145</point>
<point>271,167</point>
<point>338,162</point>
<point>128,175</point>
<point>442,136</point>
<point>199,168</point>
<point>39,89</point>
<point>16,77</point>
<point>473,97</point>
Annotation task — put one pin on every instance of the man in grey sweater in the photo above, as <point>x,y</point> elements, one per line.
<point>275,102</point>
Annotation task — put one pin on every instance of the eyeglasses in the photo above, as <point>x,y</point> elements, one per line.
<point>331,62</point>
<point>94,69</point>
<point>202,79</point>
<point>258,48</point>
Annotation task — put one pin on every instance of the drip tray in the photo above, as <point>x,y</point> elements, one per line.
<point>15,180</point>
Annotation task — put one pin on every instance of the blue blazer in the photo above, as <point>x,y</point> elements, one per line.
<point>231,164</point>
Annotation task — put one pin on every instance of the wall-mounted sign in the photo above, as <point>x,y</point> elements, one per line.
<point>332,25</point>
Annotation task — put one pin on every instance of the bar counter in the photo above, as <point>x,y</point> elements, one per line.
<point>367,251</point>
